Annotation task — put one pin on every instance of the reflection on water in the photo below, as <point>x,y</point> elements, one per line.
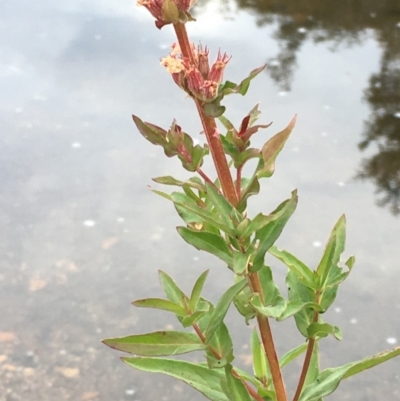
<point>346,23</point>
<point>81,237</point>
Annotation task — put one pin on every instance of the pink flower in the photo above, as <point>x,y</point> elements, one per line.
<point>197,79</point>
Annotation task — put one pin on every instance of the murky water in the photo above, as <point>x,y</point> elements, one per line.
<point>81,236</point>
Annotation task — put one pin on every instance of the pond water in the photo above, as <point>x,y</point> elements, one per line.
<point>81,234</point>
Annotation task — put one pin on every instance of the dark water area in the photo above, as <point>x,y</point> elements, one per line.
<point>82,236</point>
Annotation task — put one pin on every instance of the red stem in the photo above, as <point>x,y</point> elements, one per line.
<point>209,126</point>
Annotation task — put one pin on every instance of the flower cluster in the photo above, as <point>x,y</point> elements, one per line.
<point>168,11</point>
<point>196,78</point>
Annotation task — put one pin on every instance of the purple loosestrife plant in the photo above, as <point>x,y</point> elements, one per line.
<point>213,210</point>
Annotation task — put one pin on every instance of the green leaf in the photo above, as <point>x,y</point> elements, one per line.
<point>249,188</point>
<point>323,330</point>
<point>196,292</point>
<point>272,148</point>
<point>303,272</point>
<point>298,292</point>
<point>193,182</point>
<point>236,387</point>
<point>162,304</point>
<point>201,378</point>
<point>190,320</point>
<point>229,87</point>
<point>222,307</point>
<point>273,310</point>
<point>333,250</point>
<point>214,109</point>
<point>260,364</point>
<point>221,342</point>
<point>159,343</point>
<point>294,307</point>
<point>313,370</point>
<point>271,231</point>
<point>209,242</point>
<point>152,133</point>
<point>240,263</point>
<point>329,379</point>
<point>172,291</point>
<point>242,303</point>
<point>292,354</point>
<point>223,207</point>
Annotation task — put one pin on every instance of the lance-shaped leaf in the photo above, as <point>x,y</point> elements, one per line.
<point>209,242</point>
<point>201,378</point>
<point>193,182</point>
<point>271,231</point>
<point>260,364</point>
<point>298,292</point>
<point>172,291</point>
<point>303,272</point>
<point>292,355</point>
<point>240,263</point>
<point>272,148</point>
<point>222,343</point>
<point>196,292</point>
<point>273,310</point>
<point>333,250</point>
<point>229,87</point>
<point>151,132</point>
<point>294,307</point>
<point>323,330</point>
<point>236,388</point>
<point>249,188</point>
<point>162,304</point>
<point>159,343</point>
<point>222,307</point>
<point>329,379</point>
<point>227,212</point>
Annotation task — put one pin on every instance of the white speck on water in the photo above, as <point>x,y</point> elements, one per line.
<point>274,63</point>
<point>89,223</point>
<point>120,219</point>
<point>327,107</point>
<point>196,258</point>
<point>324,134</point>
<point>97,37</point>
<point>130,391</point>
<point>398,25</point>
<point>40,98</point>
<point>164,46</point>
<point>317,244</point>
<point>391,340</point>
<point>19,110</point>
<point>302,30</point>
<point>372,15</point>
<point>338,309</point>
<point>341,184</point>
<point>98,330</point>
<point>76,145</point>
<point>397,114</point>
<point>354,321</point>
<point>63,352</point>
<point>282,93</point>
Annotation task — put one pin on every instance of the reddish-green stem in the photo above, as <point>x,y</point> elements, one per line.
<point>238,181</point>
<point>268,343</point>
<point>307,358</point>
<point>209,126</point>
<point>250,389</point>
